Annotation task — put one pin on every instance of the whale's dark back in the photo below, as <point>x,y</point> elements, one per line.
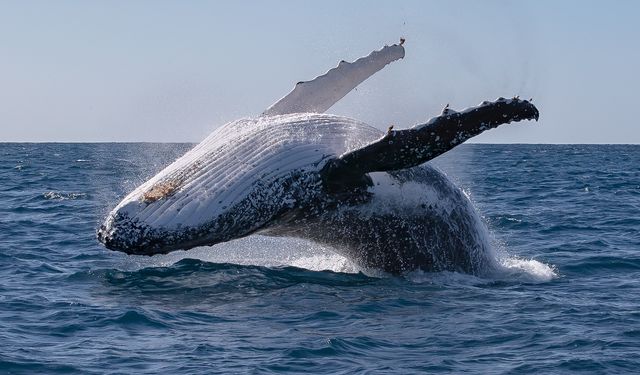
<point>411,219</point>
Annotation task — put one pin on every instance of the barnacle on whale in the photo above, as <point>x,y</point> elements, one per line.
<point>161,190</point>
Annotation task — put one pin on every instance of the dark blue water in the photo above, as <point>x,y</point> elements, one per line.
<point>565,220</point>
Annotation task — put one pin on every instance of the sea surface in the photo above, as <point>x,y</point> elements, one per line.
<point>564,220</point>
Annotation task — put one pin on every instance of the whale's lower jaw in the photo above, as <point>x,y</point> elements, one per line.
<point>121,233</point>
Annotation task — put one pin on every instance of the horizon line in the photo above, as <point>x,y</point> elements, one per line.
<point>197,142</point>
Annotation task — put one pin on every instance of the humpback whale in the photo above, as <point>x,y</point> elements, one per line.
<point>299,172</point>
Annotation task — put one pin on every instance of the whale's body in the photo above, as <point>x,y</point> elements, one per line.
<point>262,175</point>
<point>325,178</point>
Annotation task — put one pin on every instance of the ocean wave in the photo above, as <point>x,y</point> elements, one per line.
<point>197,274</point>
<point>526,270</point>
<point>607,263</point>
<point>55,195</point>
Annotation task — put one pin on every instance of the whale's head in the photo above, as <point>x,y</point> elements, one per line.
<point>172,214</point>
<point>239,180</point>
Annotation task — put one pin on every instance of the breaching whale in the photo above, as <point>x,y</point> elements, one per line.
<point>295,171</point>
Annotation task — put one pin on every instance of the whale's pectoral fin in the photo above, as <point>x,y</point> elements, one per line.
<point>322,92</point>
<point>400,149</point>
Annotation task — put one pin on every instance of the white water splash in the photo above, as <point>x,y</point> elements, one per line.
<point>278,252</point>
<point>525,270</point>
<point>257,251</point>
<point>326,262</point>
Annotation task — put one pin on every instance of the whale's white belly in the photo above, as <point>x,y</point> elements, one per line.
<point>234,162</point>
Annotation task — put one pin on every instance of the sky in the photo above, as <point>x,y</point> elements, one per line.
<point>173,71</point>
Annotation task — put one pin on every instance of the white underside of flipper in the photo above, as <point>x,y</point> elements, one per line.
<point>322,92</point>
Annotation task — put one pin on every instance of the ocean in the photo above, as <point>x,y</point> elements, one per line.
<point>564,221</point>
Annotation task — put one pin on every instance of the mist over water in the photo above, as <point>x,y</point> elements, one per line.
<point>563,298</point>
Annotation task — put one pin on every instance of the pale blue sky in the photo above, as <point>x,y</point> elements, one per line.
<point>175,70</point>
